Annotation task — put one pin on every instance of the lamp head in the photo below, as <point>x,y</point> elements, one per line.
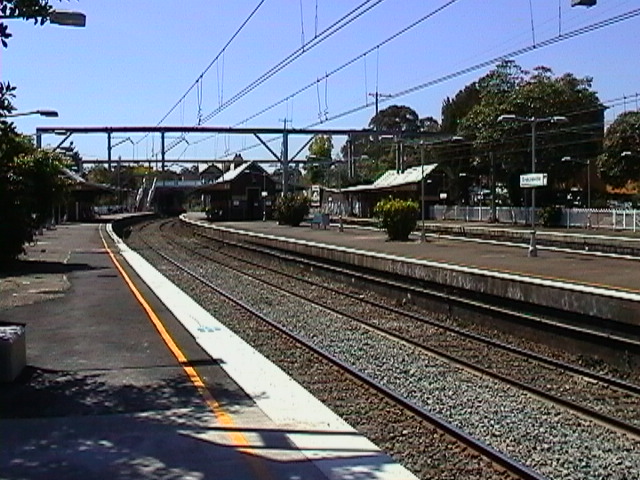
<point>510,117</point>
<point>559,119</point>
<point>47,113</point>
<point>68,18</point>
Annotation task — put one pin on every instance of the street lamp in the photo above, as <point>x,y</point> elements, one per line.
<point>533,121</point>
<point>422,144</point>
<point>67,18</point>
<point>42,113</point>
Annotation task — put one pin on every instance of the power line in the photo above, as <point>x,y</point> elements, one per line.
<point>334,28</point>
<point>560,38</point>
<point>334,71</point>
<point>204,72</point>
<point>487,63</point>
<point>352,61</point>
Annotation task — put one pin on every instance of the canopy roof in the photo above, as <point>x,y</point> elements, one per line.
<point>391,179</point>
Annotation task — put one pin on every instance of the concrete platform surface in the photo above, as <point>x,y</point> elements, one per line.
<point>577,267</point>
<point>120,388</point>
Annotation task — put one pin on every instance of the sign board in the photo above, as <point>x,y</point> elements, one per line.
<point>315,195</point>
<point>443,195</point>
<point>531,180</point>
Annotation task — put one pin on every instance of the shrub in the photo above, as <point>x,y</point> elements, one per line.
<point>397,217</point>
<point>291,209</point>
<point>550,216</point>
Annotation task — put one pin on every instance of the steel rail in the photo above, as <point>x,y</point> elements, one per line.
<point>478,446</point>
<point>607,420</point>
<point>620,384</point>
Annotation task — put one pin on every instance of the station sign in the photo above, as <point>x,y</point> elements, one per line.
<point>531,180</point>
<point>315,195</point>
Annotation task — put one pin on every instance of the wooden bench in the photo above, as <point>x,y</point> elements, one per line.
<point>320,219</point>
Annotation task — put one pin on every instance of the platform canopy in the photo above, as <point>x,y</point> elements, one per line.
<point>392,179</point>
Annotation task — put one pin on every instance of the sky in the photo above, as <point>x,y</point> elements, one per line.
<point>136,59</point>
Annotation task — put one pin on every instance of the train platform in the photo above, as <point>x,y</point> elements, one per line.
<point>127,377</point>
<point>580,267</point>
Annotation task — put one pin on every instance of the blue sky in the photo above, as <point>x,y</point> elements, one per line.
<point>135,59</point>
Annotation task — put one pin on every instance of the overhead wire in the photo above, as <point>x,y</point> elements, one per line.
<point>351,62</point>
<point>515,53</point>
<point>487,63</point>
<point>493,61</point>
<point>204,72</point>
<point>334,28</point>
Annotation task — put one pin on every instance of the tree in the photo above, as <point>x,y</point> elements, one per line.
<point>397,118</point>
<point>620,161</point>
<point>509,89</point>
<point>429,124</point>
<point>30,183</point>
<point>36,10</point>
<point>454,110</point>
<point>319,159</point>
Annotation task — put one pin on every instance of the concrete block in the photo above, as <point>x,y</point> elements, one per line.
<point>13,351</point>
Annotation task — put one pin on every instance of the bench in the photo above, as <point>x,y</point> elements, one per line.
<point>320,219</point>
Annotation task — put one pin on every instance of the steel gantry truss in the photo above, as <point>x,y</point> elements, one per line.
<point>283,159</point>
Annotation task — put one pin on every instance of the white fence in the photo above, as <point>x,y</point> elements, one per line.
<point>570,217</point>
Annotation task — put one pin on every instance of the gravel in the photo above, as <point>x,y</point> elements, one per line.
<point>550,440</point>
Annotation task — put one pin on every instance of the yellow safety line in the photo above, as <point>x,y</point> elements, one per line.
<point>238,438</point>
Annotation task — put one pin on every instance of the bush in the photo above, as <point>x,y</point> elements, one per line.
<point>550,216</point>
<point>291,209</point>
<point>397,217</point>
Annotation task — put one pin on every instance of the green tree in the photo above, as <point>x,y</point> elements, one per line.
<point>291,209</point>
<point>620,161</point>
<point>538,94</point>
<point>456,108</point>
<point>30,183</point>
<point>319,159</point>
<point>100,174</point>
<point>398,118</point>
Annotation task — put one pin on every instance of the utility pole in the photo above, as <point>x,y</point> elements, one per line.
<point>493,217</point>
<point>285,158</point>
<point>377,95</point>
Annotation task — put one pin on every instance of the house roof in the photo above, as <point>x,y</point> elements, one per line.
<point>391,178</point>
<point>211,170</point>
<point>233,173</point>
<point>229,176</point>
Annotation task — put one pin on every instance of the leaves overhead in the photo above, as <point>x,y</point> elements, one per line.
<point>36,10</point>
<point>538,94</point>
<point>620,161</point>
<point>397,118</point>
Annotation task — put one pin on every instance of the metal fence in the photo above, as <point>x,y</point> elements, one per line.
<point>569,218</point>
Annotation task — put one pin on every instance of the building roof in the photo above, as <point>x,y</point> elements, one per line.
<point>233,173</point>
<point>80,183</point>
<point>229,176</point>
<point>391,179</point>
<point>212,170</point>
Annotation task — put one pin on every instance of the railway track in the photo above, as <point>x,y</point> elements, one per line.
<point>449,439</point>
<point>582,391</point>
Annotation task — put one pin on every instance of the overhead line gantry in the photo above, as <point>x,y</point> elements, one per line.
<point>283,158</point>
